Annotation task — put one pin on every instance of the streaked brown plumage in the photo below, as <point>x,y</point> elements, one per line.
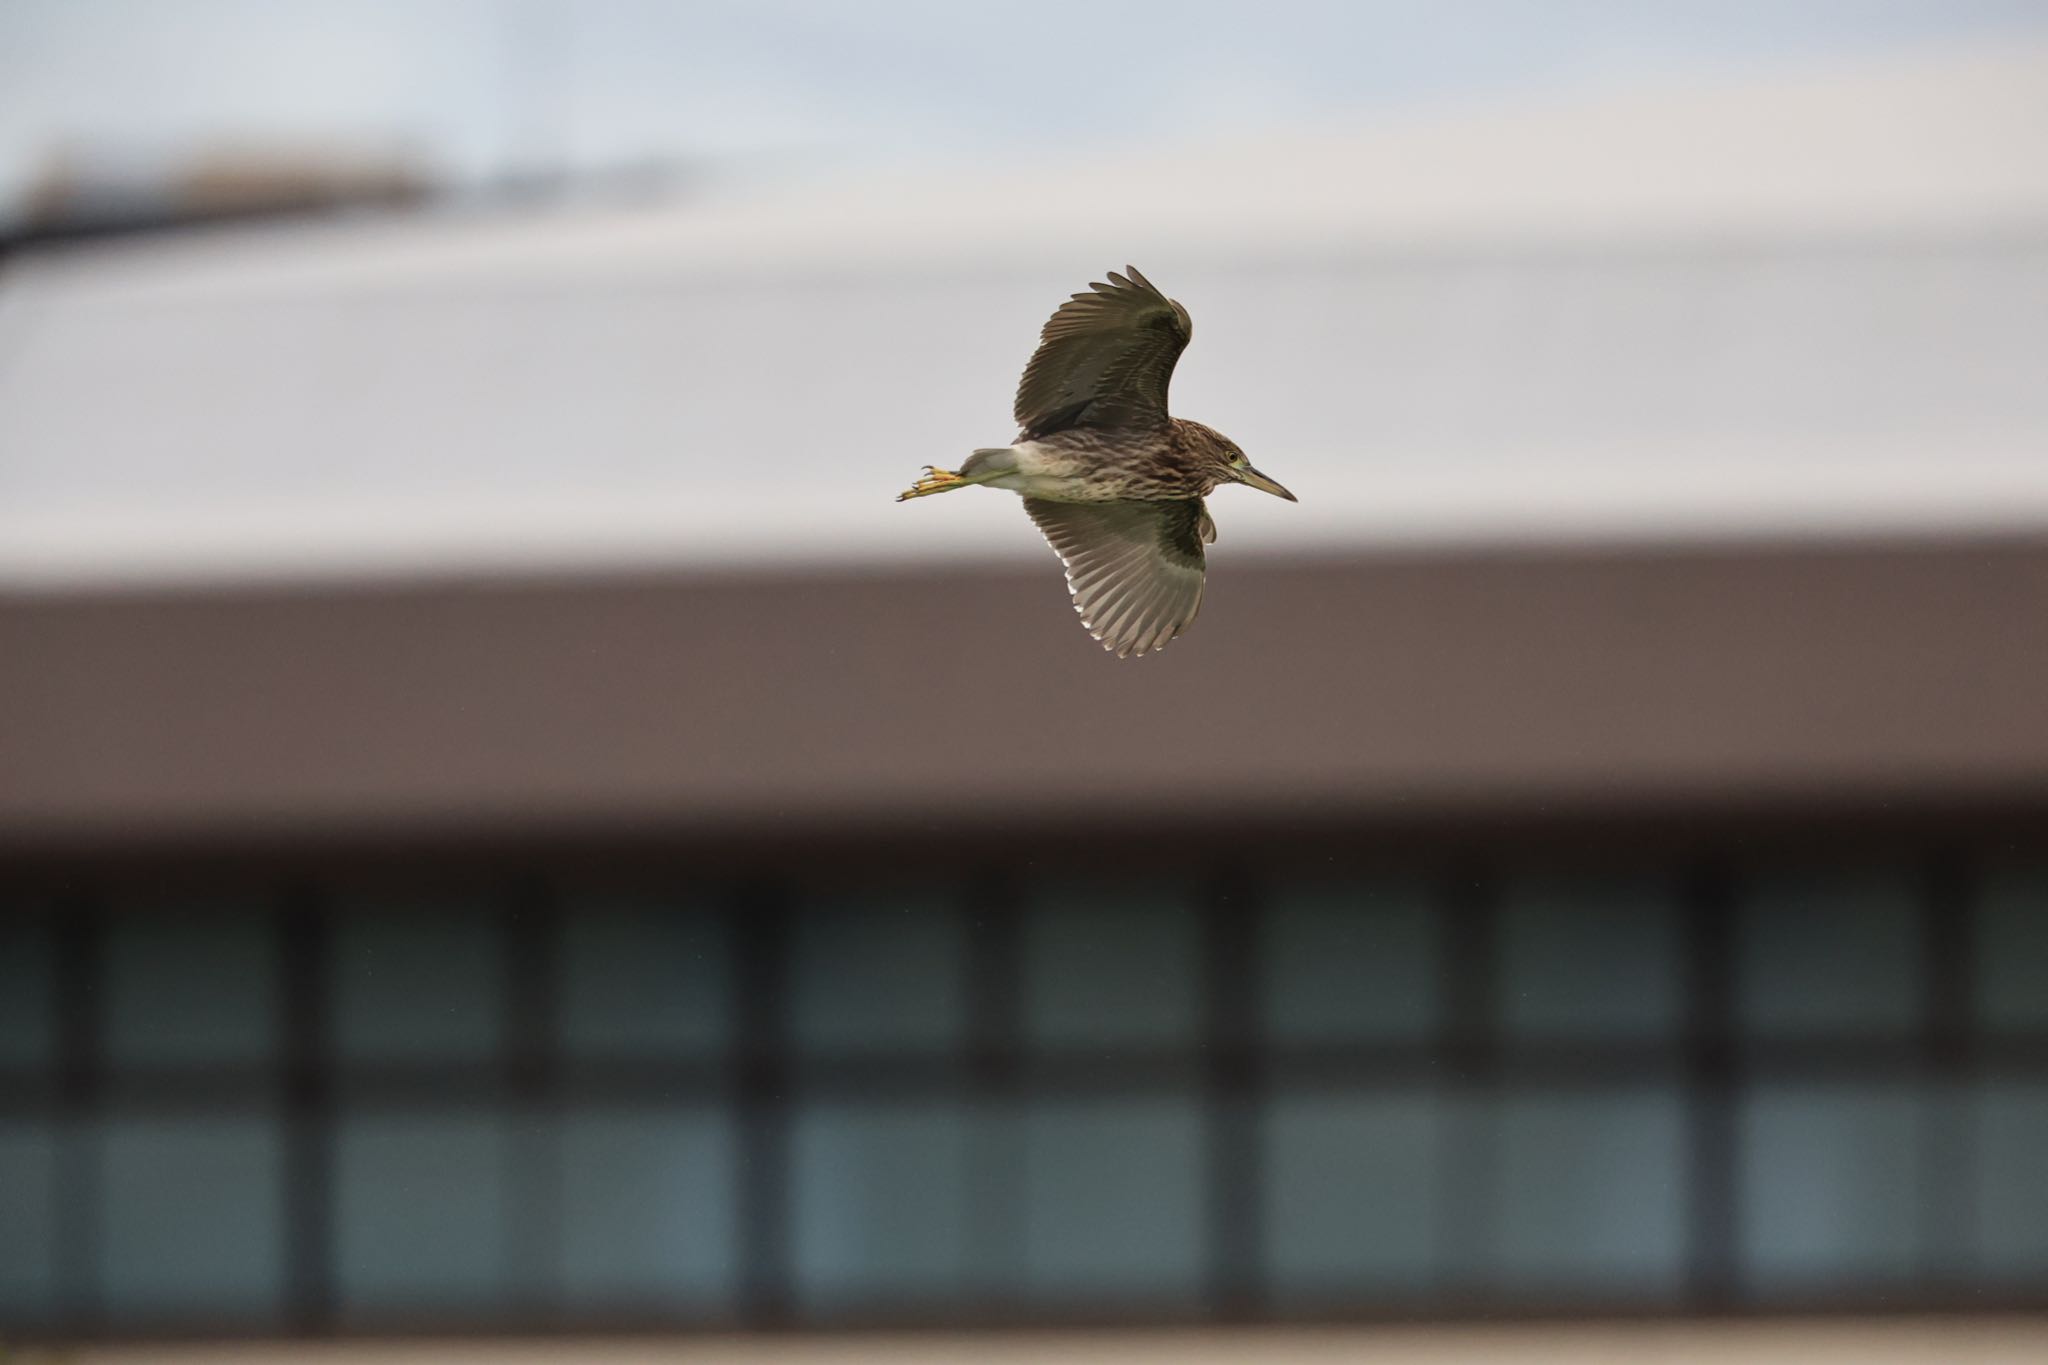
<point>1112,480</point>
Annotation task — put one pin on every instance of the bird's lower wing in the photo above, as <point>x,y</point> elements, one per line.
<point>1134,568</point>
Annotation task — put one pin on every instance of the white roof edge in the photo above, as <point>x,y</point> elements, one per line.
<point>1561,499</point>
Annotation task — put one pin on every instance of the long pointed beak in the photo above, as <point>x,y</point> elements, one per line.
<point>1255,479</point>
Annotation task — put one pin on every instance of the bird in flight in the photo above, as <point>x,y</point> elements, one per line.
<point>1114,483</point>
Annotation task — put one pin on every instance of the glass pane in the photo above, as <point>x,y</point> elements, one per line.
<point>881,1203</point>
<point>1106,967</point>
<point>192,1217</point>
<point>2012,953</point>
<point>420,1219</point>
<point>648,1208</point>
<point>190,986</point>
<point>1350,962</point>
<point>1113,1201</point>
<point>420,985</point>
<point>28,1221</point>
<point>879,973</point>
<point>28,1021</point>
<point>1592,1196</point>
<point>1350,1188</point>
<point>1590,959</point>
<point>1830,1180</point>
<point>2012,1181</point>
<point>644,980</point>
<point>1829,954</point>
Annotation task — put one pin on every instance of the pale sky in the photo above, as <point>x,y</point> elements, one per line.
<point>782,88</point>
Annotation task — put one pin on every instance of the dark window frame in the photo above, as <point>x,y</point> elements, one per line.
<point>1229,1070</point>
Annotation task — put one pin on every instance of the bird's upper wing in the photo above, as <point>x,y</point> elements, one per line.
<point>1104,359</point>
<point>1134,568</point>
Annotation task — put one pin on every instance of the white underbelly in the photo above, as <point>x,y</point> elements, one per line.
<point>1040,486</point>
<point>1044,472</point>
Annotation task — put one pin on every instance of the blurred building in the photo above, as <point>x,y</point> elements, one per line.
<point>506,831</point>
<point>79,195</point>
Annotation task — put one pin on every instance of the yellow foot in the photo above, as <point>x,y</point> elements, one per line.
<point>934,481</point>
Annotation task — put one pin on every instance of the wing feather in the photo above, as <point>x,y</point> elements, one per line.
<point>1104,359</point>
<point>1135,569</point>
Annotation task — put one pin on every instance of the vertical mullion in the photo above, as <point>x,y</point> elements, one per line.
<point>1468,1189</point>
<point>995,986</point>
<point>302,943</point>
<point>81,1073</point>
<point>1947,1213</point>
<point>533,1195</point>
<point>1713,1214</point>
<point>760,1043</point>
<point>1236,1092</point>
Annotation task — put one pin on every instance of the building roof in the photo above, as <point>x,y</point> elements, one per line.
<point>1808,304</point>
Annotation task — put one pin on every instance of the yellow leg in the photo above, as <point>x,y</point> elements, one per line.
<point>934,481</point>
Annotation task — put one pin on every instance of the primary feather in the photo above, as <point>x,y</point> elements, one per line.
<point>1135,569</point>
<point>1104,359</point>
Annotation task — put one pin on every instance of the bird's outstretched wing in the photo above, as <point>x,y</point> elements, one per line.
<point>1104,359</point>
<point>1134,568</point>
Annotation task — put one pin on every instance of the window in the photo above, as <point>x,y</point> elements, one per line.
<point>28,1211</point>
<point>28,1021</point>
<point>649,1215</point>
<point>417,983</point>
<point>643,979</point>
<point>2012,952</point>
<point>1592,1194</point>
<point>190,985</point>
<point>1349,962</point>
<point>1829,954</point>
<point>192,1218</point>
<point>1831,1180</point>
<point>682,1104</point>
<point>883,1197</point>
<point>2010,1198</point>
<point>1591,960</point>
<point>1113,1205</point>
<point>422,1212</point>
<point>1109,967</point>
<point>1352,1195</point>
<point>878,973</point>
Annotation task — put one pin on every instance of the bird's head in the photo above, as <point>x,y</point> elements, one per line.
<point>1237,468</point>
